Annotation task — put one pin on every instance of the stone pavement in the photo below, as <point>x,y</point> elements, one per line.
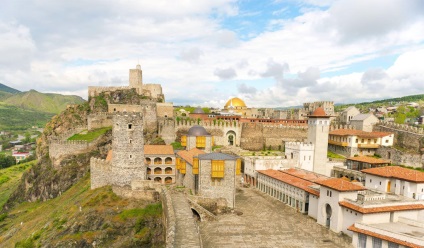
<point>266,222</point>
<point>186,231</point>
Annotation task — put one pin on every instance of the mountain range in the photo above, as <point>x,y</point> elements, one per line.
<point>21,110</point>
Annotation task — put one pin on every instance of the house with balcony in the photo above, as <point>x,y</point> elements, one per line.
<point>160,162</point>
<point>349,142</point>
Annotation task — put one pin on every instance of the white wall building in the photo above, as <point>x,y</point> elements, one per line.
<point>364,122</point>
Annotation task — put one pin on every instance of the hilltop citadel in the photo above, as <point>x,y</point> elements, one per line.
<point>224,150</point>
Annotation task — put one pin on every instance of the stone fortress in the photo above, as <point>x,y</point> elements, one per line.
<point>136,168</point>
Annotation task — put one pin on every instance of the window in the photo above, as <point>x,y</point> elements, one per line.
<point>376,242</point>
<point>362,141</point>
<point>370,180</point>
<point>130,141</point>
<point>195,166</point>
<point>183,140</point>
<point>129,126</point>
<point>356,141</point>
<point>387,141</point>
<point>201,141</point>
<point>238,167</point>
<point>217,168</point>
<point>380,182</point>
<point>130,156</point>
<point>183,167</point>
<point>362,240</point>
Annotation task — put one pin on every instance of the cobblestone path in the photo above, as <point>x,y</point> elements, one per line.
<point>186,234</point>
<point>266,222</point>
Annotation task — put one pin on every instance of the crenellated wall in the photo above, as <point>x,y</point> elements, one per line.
<point>407,137</point>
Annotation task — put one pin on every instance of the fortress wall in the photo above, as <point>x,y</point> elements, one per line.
<point>410,138</point>
<point>59,148</point>
<point>165,109</point>
<point>401,158</point>
<point>100,172</point>
<point>96,90</point>
<point>153,89</point>
<point>99,120</point>
<point>166,130</point>
<point>124,108</point>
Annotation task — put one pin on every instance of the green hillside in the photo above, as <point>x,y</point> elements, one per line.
<point>81,216</point>
<point>16,118</point>
<point>43,102</point>
<point>363,106</point>
<point>5,88</point>
<point>9,180</point>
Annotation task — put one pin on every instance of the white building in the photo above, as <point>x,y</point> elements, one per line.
<point>396,180</point>
<point>349,142</point>
<point>252,164</point>
<point>300,155</point>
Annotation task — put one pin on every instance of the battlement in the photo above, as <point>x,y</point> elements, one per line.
<point>299,146</point>
<point>403,127</point>
<point>101,114</point>
<point>96,90</point>
<point>127,114</point>
<point>336,127</point>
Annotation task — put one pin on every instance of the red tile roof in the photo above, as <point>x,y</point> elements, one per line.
<point>383,209</point>
<point>359,133</point>
<point>397,172</point>
<point>384,237</point>
<point>158,149</point>
<point>319,112</point>
<point>188,155</point>
<point>369,160</point>
<point>340,185</point>
<point>289,179</point>
<point>306,175</point>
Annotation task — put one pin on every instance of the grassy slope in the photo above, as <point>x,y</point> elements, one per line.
<point>49,103</point>
<point>9,180</point>
<point>59,221</point>
<point>13,118</point>
<point>91,135</point>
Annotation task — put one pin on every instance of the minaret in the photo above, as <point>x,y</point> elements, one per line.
<point>318,129</point>
<point>136,79</point>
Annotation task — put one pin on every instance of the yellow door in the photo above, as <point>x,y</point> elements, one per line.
<point>388,186</point>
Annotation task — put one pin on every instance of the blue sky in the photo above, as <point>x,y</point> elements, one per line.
<point>270,53</point>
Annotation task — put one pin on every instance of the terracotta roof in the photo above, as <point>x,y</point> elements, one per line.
<point>319,112</point>
<point>359,133</point>
<point>306,175</point>
<point>370,160</point>
<point>384,237</point>
<point>158,149</point>
<point>397,172</point>
<point>289,179</point>
<point>372,210</point>
<point>109,156</point>
<point>340,185</point>
<point>188,155</point>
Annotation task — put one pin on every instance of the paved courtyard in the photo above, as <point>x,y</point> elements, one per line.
<point>266,222</point>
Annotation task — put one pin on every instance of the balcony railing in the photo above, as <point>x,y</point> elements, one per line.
<point>368,145</point>
<point>337,143</point>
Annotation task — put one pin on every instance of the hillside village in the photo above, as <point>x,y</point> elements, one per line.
<point>358,174</point>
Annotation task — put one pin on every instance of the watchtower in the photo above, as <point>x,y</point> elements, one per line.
<point>136,79</point>
<point>127,148</point>
<point>318,129</point>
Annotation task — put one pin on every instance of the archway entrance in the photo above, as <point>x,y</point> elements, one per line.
<point>231,138</point>
<point>328,212</point>
<point>196,215</point>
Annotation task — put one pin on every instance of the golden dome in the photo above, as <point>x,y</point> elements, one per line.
<point>235,102</point>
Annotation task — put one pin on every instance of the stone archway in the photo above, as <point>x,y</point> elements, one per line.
<point>231,138</point>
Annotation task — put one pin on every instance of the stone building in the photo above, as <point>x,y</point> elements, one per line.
<point>364,122</point>
<point>347,115</point>
<point>318,129</point>
<point>207,175</point>
<point>160,162</point>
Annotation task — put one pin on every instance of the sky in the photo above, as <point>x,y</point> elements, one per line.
<point>276,53</point>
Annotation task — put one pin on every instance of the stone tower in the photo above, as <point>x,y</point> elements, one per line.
<point>127,149</point>
<point>318,129</point>
<point>136,79</point>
